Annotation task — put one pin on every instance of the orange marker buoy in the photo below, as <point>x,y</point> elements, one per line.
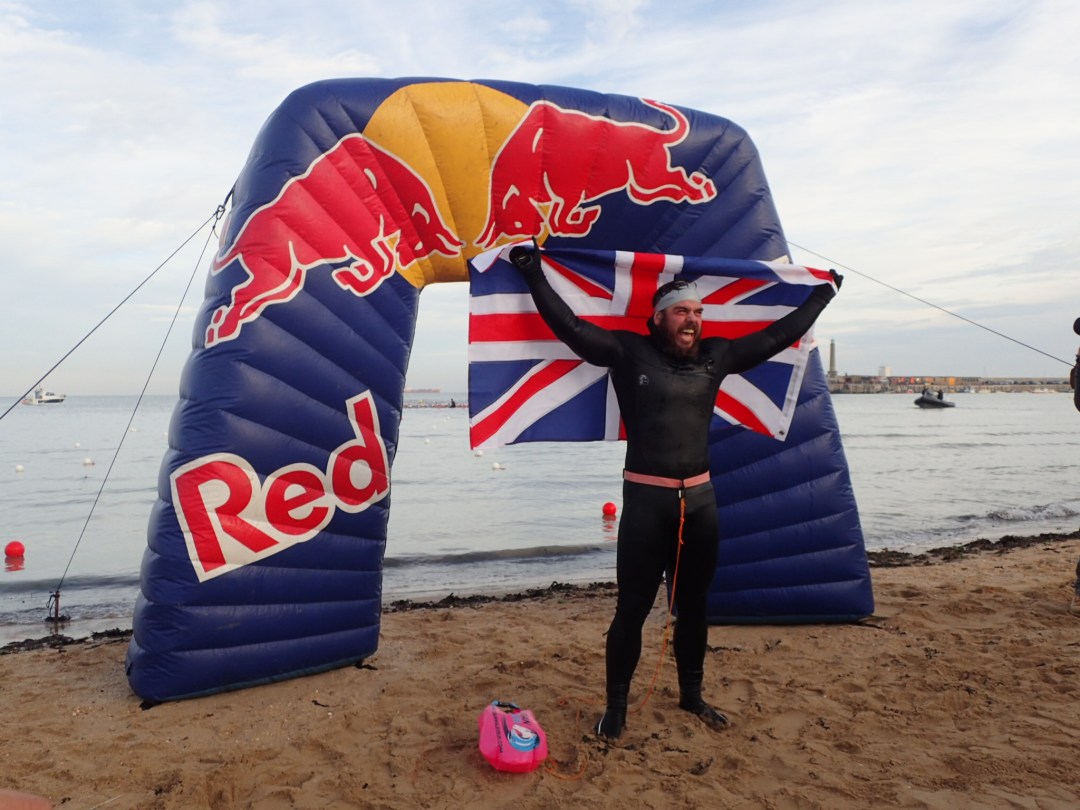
<point>609,509</point>
<point>14,549</point>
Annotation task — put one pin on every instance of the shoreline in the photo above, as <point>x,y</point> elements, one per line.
<point>885,558</point>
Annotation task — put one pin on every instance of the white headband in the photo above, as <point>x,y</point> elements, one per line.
<point>688,292</point>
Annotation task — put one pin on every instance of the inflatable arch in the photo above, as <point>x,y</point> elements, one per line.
<point>266,542</point>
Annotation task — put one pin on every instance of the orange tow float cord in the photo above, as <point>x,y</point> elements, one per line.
<point>551,765</point>
<point>671,605</point>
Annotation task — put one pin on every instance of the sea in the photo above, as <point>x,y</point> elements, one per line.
<point>78,479</point>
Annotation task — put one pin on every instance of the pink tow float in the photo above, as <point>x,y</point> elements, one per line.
<point>510,738</point>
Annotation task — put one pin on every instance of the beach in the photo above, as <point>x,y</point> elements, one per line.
<point>960,691</point>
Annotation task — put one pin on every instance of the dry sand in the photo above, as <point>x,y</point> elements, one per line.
<point>960,692</point>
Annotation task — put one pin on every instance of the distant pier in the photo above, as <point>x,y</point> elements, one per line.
<point>875,384</point>
<point>886,383</point>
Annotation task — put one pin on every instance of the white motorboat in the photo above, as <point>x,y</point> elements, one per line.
<point>43,397</point>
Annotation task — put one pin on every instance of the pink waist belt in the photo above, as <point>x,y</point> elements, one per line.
<point>670,483</point>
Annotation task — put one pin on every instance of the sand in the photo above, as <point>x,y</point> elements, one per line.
<point>961,691</point>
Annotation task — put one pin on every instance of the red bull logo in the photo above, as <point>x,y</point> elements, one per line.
<point>366,213</point>
<point>358,207</point>
<point>231,519</point>
<point>557,161</point>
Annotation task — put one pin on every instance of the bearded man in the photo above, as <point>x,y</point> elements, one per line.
<point>666,384</point>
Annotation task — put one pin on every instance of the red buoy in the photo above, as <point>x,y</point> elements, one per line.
<point>609,509</point>
<point>14,549</point>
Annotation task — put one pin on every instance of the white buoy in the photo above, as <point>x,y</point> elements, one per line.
<point>77,445</point>
<point>497,466</point>
<point>88,462</point>
<point>478,453</point>
<point>427,441</point>
<point>19,468</point>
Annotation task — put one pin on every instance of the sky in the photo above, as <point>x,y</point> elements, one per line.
<point>927,150</point>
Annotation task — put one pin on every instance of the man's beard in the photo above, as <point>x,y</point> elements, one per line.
<point>674,349</point>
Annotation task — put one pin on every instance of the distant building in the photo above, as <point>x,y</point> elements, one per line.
<point>884,371</point>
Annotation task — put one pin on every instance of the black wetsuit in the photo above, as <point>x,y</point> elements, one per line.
<point>666,405</point>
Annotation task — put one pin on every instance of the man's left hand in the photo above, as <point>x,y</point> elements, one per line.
<point>526,259</point>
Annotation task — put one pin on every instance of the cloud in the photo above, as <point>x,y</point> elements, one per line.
<point>291,55</point>
<point>934,151</point>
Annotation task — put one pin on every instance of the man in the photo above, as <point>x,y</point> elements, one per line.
<point>666,384</point>
<point>1074,374</point>
<point>1074,382</point>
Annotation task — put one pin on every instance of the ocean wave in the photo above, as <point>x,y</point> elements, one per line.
<point>499,555</point>
<point>1022,514</point>
<point>93,582</point>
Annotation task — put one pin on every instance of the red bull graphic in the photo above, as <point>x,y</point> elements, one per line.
<point>231,519</point>
<point>357,206</point>
<point>593,157</point>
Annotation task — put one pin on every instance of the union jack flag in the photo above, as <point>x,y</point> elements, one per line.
<point>526,386</point>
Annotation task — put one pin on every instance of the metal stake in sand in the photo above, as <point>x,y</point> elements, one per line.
<point>54,618</point>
